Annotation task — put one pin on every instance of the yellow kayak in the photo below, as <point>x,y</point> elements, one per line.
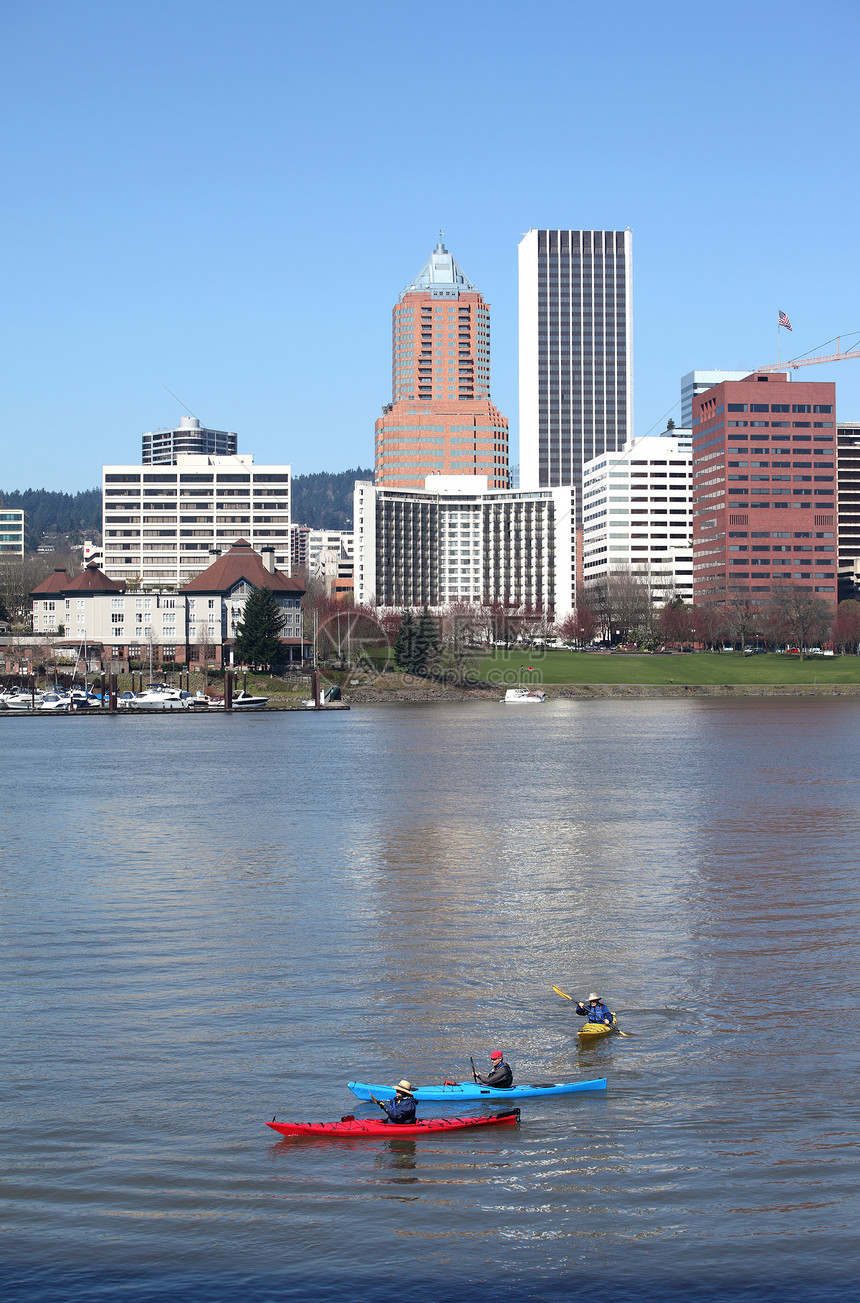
<point>592,1031</point>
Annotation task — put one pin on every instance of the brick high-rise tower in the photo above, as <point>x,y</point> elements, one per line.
<point>764,480</point>
<point>441,417</point>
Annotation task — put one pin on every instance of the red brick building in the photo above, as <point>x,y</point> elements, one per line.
<point>764,489</point>
<point>440,418</point>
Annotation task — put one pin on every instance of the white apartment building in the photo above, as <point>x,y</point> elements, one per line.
<point>636,513</point>
<point>456,540</point>
<point>163,524</point>
<point>340,542</point>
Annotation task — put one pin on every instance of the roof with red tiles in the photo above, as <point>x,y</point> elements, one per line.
<point>241,564</point>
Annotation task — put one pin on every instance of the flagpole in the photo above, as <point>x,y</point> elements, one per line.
<point>778,344</point>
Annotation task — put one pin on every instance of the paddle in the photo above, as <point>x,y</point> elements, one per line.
<point>474,1073</point>
<point>570,997</point>
<point>377,1103</point>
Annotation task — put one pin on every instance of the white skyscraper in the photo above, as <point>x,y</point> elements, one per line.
<point>576,352</point>
<point>636,509</point>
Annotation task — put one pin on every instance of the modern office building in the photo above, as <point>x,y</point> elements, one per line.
<point>848,488</point>
<point>636,515</point>
<point>458,540</point>
<point>764,481</point>
<point>164,525</point>
<point>695,383</point>
<point>441,417</point>
<point>576,352</point>
<point>14,532</point>
<point>162,447</point>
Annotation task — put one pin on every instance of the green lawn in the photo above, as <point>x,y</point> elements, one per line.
<point>551,666</point>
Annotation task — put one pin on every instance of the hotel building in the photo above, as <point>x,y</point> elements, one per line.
<point>764,481</point>
<point>162,447</point>
<point>457,539</point>
<point>441,418</point>
<point>163,525</point>
<point>636,513</point>
<point>576,352</point>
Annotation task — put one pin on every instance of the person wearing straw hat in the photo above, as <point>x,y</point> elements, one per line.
<point>595,1010</point>
<point>401,1109</point>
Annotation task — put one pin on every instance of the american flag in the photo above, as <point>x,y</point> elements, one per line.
<point>784,321</point>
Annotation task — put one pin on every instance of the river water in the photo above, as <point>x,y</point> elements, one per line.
<point>208,921</point>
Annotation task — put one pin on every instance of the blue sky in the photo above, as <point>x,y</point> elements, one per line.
<point>225,199</point>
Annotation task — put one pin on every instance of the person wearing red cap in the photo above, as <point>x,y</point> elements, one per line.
<point>500,1075</point>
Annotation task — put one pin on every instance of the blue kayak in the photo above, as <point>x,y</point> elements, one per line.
<point>462,1090</point>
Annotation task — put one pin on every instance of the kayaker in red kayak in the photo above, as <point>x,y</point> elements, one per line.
<point>500,1075</point>
<point>595,1010</point>
<point>401,1109</point>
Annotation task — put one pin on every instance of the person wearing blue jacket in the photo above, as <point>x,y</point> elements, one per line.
<point>595,1010</point>
<point>401,1109</point>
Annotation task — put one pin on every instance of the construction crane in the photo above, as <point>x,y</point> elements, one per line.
<point>838,356</point>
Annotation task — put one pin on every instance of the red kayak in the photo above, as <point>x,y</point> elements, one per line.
<point>350,1126</point>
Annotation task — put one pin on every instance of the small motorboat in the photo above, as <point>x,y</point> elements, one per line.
<point>158,698</point>
<point>523,696</point>
<point>59,702</point>
<point>455,1091</point>
<point>247,701</point>
<point>351,1127</point>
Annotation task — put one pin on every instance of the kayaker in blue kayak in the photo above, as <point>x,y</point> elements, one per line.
<point>500,1075</point>
<point>595,1010</point>
<point>401,1109</point>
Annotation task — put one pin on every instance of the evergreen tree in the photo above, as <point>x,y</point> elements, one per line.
<point>257,641</point>
<point>425,644</point>
<point>404,640</point>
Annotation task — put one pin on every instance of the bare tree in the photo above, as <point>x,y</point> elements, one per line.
<point>807,618</point>
<point>846,626</point>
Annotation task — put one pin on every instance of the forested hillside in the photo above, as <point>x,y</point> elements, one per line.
<point>324,500</point>
<point>77,514</point>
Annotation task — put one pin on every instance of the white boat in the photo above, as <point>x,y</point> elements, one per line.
<point>523,696</point>
<point>158,698</point>
<point>247,701</point>
<point>21,699</point>
<point>55,701</point>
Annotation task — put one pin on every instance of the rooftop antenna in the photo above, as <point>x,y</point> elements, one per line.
<point>179,401</point>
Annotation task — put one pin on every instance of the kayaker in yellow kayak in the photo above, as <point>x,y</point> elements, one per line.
<point>595,1010</point>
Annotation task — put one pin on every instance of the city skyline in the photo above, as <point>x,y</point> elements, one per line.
<point>228,255</point>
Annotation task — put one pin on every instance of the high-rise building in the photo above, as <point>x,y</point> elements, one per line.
<point>161,447</point>
<point>576,352</point>
<point>699,382</point>
<point>636,515</point>
<point>457,540</point>
<point>764,481</point>
<point>848,487</point>
<point>441,417</point>
<point>163,525</point>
